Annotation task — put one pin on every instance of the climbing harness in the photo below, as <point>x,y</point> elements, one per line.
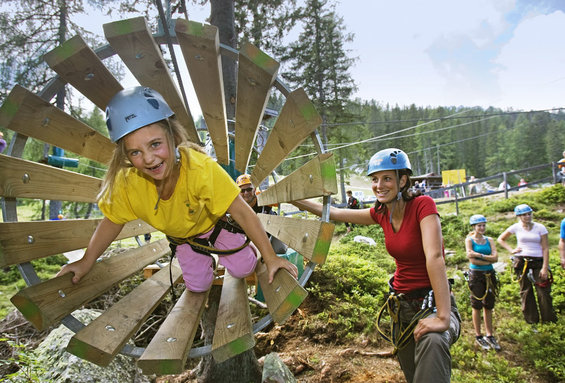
<point>206,245</point>
<point>400,334</point>
<point>526,261</point>
<point>490,286</point>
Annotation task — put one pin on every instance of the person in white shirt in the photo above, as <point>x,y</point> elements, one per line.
<point>531,265</point>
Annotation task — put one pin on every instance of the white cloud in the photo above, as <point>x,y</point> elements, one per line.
<point>532,63</point>
<point>448,52</point>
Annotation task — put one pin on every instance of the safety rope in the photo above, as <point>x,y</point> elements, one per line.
<point>526,260</point>
<point>400,335</point>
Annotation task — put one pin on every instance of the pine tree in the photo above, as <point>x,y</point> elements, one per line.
<point>318,61</point>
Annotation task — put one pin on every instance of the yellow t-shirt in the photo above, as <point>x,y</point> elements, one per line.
<point>203,193</point>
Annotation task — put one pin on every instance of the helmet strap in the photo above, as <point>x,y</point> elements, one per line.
<point>399,194</point>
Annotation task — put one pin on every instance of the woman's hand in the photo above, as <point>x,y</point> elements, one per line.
<point>517,250</point>
<point>430,324</point>
<point>79,268</point>
<point>544,273</point>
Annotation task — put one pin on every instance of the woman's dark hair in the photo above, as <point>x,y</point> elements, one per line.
<point>408,193</point>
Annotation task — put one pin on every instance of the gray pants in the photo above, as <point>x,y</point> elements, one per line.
<point>429,360</point>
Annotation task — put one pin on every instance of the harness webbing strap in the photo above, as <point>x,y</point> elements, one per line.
<point>400,335</point>
<point>204,246</point>
<point>526,260</point>
<point>489,285</point>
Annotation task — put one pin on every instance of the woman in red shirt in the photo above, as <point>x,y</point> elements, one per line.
<point>420,294</point>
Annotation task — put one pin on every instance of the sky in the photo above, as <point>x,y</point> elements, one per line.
<point>503,53</point>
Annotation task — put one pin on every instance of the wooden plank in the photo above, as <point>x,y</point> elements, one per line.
<point>79,65</point>
<point>133,42</point>
<point>48,302</point>
<point>315,178</point>
<point>256,74</point>
<point>200,47</point>
<point>27,179</point>
<point>296,121</point>
<point>25,241</point>
<point>233,333</point>
<point>103,338</point>
<point>311,238</point>
<point>30,115</point>
<point>168,350</point>
<point>283,296</point>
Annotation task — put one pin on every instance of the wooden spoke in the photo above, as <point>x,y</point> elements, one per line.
<point>25,241</point>
<point>316,178</point>
<point>283,296</point>
<point>256,75</point>
<point>78,65</point>
<point>297,119</point>
<point>32,116</point>
<point>311,238</point>
<point>168,350</point>
<point>48,302</point>
<point>233,333</point>
<point>200,46</point>
<point>103,338</point>
<point>27,179</point>
<point>133,42</point>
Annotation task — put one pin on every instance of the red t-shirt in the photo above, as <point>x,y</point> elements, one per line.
<point>405,246</point>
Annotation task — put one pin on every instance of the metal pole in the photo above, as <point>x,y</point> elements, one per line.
<point>456,202</point>
<point>438,169</point>
<point>505,185</point>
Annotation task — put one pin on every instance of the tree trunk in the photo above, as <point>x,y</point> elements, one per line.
<point>342,178</point>
<point>242,368</point>
<point>222,16</point>
<point>55,206</point>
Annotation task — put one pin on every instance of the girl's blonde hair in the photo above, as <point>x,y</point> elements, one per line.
<point>176,136</point>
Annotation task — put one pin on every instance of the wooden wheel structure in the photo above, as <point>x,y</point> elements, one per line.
<point>45,303</point>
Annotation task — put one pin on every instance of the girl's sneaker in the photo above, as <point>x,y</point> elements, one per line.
<point>482,341</point>
<point>493,343</point>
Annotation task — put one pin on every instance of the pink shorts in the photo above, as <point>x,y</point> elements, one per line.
<point>197,268</point>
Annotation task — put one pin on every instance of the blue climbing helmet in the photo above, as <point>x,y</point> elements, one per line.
<point>389,159</point>
<point>522,209</point>
<point>477,218</point>
<point>134,108</point>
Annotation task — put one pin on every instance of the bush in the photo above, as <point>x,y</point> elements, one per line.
<point>552,195</point>
<point>349,290</point>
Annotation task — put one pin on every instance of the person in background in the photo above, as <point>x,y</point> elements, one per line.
<point>472,186</point>
<point>352,203</point>
<point>531,265</point>
<point>561,169</point>
<point>424,316</point>
<point>158,176</point>
<point>562,244</point>
<point>522,182</point>
<point>483,284</point>
<point>3,143</point>
<point>249,195</point>
<point>504,186</point>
